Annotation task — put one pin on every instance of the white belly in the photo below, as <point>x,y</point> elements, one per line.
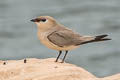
<point>43,39</point>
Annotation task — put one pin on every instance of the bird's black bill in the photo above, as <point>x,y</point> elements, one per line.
<point>35,20</point>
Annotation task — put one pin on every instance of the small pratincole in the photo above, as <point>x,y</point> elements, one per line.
<point>56,36</point>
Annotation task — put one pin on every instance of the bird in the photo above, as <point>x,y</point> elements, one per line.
<point>58,37</point>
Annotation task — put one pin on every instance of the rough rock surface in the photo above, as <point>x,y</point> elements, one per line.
<point>45,69</point>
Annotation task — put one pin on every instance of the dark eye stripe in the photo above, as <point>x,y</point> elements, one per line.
<point>37,20</point>
<point>43,20</point>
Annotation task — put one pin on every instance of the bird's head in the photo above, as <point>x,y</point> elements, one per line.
<point>45,22</point>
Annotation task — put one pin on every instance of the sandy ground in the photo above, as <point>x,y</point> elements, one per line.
<point>45,69</point>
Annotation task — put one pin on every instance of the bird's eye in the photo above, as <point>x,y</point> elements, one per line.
<point>43,20</point>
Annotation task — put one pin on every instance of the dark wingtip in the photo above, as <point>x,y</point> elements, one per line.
<point>106,39</point>
<point>102,36</point>
<point>97,39</point>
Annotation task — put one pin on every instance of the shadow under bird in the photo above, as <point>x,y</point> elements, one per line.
<point>58,37</point>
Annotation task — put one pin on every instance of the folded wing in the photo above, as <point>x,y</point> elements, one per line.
<point>67,38</point>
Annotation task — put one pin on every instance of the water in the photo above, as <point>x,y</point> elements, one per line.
<point>18,37</point>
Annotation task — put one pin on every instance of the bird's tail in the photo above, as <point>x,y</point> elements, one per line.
<point>97,39</point>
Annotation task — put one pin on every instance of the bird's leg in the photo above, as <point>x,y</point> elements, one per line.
<point>64,56</point>
<point>58,56</point>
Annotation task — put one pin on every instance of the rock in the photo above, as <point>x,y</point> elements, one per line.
<point>45,69</point>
